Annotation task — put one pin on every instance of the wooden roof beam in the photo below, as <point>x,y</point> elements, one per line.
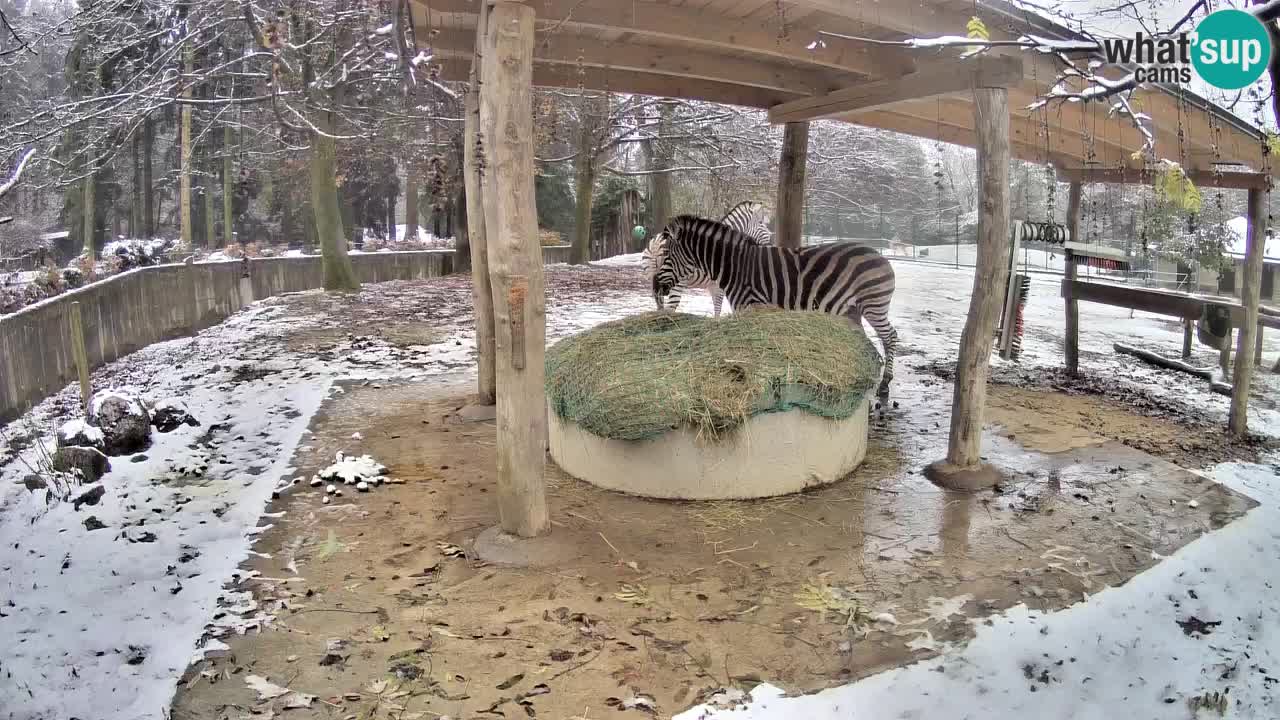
<point>668,22</point>
<point>930,81</point>
<point>455,67</point>
<point>1202,178</point>
<point>675,61</point>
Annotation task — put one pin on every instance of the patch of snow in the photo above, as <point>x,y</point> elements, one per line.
<point>629,260</point>
<point>102,396</point>
<point>351,470</point>
<point>72,428</point>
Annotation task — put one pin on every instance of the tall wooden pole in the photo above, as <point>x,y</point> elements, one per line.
<point>472,179</point>
<point>1071,337</point>
<point>1249,296</point>
<point>791,168</point>
<point>515,266</point>
<point>963,468</point>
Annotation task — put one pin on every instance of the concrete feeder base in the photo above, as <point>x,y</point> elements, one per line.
<point>771,454</point>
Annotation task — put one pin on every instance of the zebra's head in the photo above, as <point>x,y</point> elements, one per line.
<point>653,256</point>
<point>662,263</point>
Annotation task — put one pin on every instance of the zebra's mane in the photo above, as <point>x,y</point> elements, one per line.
<point>692,224</point>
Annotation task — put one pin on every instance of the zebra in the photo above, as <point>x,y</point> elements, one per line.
<point>842,278</point>
<point>747,217</point>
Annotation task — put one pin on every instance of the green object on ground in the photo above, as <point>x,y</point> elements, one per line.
<point>645,375</point>
<point>638,232</point>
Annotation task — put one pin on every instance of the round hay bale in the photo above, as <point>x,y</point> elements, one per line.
<point>669,405</point>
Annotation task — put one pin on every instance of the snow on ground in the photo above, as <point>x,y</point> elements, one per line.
<point>1131,651</point>
<point>100,623</point>
<point>424,236</point>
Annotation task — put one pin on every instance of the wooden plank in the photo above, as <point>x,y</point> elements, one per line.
<point>1134,298</point>
<point>657,21</point>
<point>688,63</point>
<point>515,267</point>
<point>1202,178</point>
<point>1238,421</point>
<point>791,171</point>
<point>455,67</point>
<point>930,81</point>
<point>79,354</point>
<point>481,292</point>
<point>991,111</point>
<point>1092,250</point>
<point>1071,338</point>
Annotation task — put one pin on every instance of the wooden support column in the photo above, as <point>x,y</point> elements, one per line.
<point>1071,335</point>
<point>1249,297</point>
<point>481,291</point>
<point>1188,331</point>
<point>791,167</point>
<point>963,468</point>
<point>515,266</point>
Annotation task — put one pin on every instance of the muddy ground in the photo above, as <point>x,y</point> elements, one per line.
<point>665,604</point>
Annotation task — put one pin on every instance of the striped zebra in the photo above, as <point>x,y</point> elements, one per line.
<point>839,278</point>
<point>747,217</point>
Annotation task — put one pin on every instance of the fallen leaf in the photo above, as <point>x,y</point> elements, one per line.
<point>510,682</point>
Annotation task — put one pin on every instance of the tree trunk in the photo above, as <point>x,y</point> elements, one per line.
<point>660,183</point>
<point>1249,297</point>
<point>148,189</point>
<point>511,218</point>
<point>339,274</point>
<point>585,176</point>
<point>184,171</point>
<point>410,203</point>
<point>89,230</point>
<point>210,212</point>
<point>391,210</point>
<point>991,120</point>
<point>228,186</point>
<point>135,200</point>
<point>791,170</point>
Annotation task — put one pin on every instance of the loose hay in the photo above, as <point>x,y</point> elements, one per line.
<point>645,375</point>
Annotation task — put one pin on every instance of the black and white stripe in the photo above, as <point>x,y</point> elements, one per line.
<point>838,278</point>
<point>747,217</point>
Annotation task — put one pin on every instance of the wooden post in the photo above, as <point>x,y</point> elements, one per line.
<point>473,171</point>
<point>1071,335</point>
<point>193,299</point>
<point>963,467</point>
<point>791,168</point>
<point>515,266</point>
<point>81,357</point>
<point>1188,330</point>
<point>1257,348</point>
<point>1249,295</point>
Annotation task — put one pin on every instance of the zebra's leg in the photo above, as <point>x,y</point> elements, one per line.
<point>717,298</point>
<point>879,320</point>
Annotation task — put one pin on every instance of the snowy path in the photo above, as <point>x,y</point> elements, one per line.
<point>100,623</point>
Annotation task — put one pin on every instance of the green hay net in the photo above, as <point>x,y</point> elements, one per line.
<point>642,376</point>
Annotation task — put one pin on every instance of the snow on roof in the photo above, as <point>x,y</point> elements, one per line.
<point>1239,227</point>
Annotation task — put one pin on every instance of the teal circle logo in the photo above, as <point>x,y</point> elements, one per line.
<point>1231,49</point>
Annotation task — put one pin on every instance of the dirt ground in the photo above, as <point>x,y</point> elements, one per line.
<point>381,609</point>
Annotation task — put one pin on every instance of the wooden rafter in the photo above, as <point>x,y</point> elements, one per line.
<point>687,63</point>
<point>656,21</point>
<point>929,81</point>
